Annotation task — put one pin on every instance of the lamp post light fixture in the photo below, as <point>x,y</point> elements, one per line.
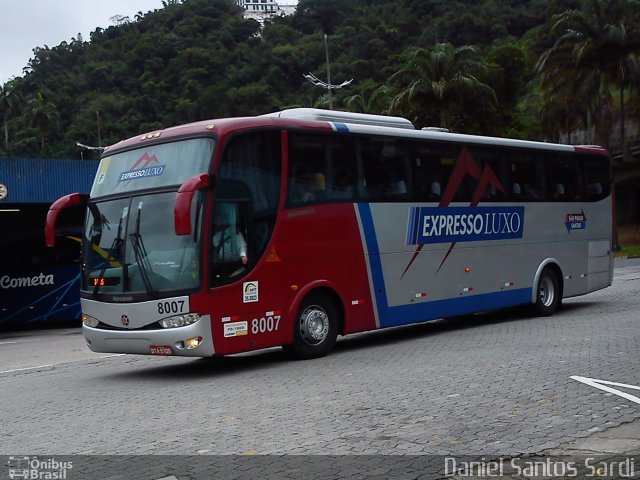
<point>88,147</point>
<point>328,85</point>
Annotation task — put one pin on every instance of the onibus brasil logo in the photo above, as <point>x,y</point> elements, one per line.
<point>38,468</point>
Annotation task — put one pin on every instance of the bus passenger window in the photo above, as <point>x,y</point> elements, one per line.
<point>385,170</point>
<point>527,172</point>
<point>343,187</point>
<point>307,187</point>
<point>597,177</point>
<point>321,169</point>
<point>565,178</point>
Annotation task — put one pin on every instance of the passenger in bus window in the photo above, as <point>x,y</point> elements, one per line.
<point>343,187</point>
<point>310,187</point>
<point>558,192</point>
<point>318,186</point>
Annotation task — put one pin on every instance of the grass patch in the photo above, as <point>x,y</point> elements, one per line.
<point>628,251</point>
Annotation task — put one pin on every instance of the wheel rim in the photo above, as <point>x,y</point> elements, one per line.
<point>546,291</point>
<point>314,325</point>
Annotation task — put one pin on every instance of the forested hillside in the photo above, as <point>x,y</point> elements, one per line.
<point>533,69</point>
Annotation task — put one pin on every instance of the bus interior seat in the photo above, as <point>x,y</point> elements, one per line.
<point>490,193</point>
<point>398,188</point>
<point>594,189</point>
<point>516,190</point>
<point>436,190</point>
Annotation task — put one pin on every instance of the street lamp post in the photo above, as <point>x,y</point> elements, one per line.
<point>328,85</point>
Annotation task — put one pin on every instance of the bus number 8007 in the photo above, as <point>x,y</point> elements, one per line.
<point>176,306</point>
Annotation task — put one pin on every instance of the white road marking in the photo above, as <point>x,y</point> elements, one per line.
<point>9,342</point>
<point>602,385</point>
<point>25,368</point>
<point>48,365</point>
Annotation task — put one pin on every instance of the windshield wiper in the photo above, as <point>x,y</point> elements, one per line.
<point>141,255</point>
<point>115,245</point>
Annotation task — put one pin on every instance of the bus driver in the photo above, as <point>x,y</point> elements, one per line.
<point>228,243</point>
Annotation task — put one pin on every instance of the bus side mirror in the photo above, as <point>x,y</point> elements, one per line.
<point>184,199</point>
<point>71,200</point>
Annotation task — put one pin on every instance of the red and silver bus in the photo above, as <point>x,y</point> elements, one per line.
<point>332,223</point>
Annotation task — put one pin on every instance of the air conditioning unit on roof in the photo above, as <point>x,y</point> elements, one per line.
<point>343,117</point>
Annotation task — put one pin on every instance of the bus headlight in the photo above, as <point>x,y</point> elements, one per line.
<point>179,320</point>
<point>89,321</point>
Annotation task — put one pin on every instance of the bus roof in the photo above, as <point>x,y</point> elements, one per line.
<point>341,122</point>
<point>343,117</point>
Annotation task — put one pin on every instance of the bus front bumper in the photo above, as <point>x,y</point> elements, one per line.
<point>169,341</point>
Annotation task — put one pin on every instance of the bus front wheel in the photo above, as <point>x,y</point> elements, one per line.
<point>315,329</point>
<point>547,293</point>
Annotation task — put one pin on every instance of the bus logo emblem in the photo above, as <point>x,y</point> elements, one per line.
<point>125,320</point>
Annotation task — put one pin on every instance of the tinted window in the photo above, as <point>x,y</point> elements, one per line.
<point>247,193</point>
<point>321,169</point>
<point>385,170</point>
<point>597,177</point>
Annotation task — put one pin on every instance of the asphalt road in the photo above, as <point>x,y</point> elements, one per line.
<point>489,386</point>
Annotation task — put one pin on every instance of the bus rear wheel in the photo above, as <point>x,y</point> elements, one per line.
<point>315,329</point>
<point>547,293</point>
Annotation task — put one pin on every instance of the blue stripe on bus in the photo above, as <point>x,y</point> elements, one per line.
<point>340,127</point>
<point>430,310</point>
<point>420,312</point>
<point>375,264</point>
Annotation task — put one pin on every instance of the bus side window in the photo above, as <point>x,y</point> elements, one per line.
<point>431,167</point>
<point>307,170</point>
<point>565,178</point>
<point>493,161</point>
<point>343,187</point>
<point>385,170</point>
<point>527,175</point>
<point>321,169</point>
<point>597,177</point>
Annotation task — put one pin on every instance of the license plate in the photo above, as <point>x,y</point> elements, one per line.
<point>160,350</point>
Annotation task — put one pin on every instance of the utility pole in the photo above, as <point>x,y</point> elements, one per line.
<point>98,123</point>
<point>326,52</point>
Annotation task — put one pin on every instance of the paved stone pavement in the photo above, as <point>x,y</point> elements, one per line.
<point>390,404</point>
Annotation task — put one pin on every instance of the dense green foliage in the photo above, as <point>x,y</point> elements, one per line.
<point>508,68</point>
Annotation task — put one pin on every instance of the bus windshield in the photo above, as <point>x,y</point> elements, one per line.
<point>130,246</point>
<point>153,166</point>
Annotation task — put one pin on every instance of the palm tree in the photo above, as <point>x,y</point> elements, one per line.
<point>596,47</point>
<point>370,98</point>
<point>10,103</point>
<point>42,115</point>
<point>439,78</point>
